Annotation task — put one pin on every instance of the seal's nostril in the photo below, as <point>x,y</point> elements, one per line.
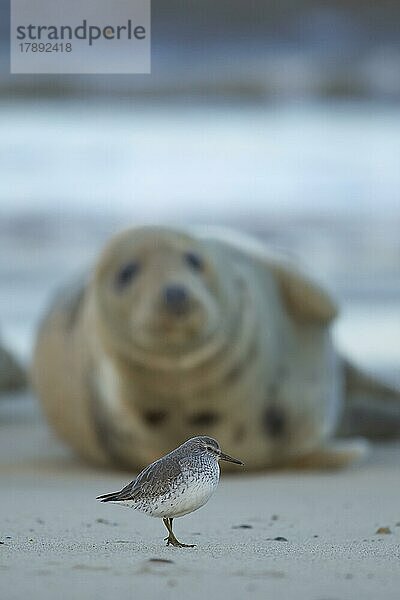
<point>176,298</point>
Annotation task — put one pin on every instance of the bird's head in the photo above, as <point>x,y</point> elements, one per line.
<point>209,446</point>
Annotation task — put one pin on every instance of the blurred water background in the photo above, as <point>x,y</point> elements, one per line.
<point>283,120</point>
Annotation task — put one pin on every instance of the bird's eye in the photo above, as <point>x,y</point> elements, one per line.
<point>194,261</point>
<point>126,274</point>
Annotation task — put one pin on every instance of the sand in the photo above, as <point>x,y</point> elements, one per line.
<point>286,535</point>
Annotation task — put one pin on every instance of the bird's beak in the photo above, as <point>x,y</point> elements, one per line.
<point>228,458</point>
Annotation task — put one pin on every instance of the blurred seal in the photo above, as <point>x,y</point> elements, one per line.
<point>181,333</point>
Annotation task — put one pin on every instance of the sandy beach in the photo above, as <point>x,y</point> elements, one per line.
<point>284,534</point>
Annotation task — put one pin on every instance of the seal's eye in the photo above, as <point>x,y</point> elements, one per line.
<point>194,261</point>
<point>126,274</point>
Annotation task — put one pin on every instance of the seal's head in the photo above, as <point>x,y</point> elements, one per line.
<point>158,293</point>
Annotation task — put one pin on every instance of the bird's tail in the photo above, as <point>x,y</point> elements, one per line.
<point>124,494</point>
<point>109,497</point>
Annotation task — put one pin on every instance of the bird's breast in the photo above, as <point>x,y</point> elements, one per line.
<point>191,496</point>
<point>187,493</point>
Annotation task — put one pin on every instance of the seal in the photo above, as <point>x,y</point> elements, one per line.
<point>175,334</point>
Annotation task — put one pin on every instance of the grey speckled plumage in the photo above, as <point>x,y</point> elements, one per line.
<point>176,484</point>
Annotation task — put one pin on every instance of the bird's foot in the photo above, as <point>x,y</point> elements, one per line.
<point>172,541</point>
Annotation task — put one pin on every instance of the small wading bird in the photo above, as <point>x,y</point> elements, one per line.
<point>176,484</point>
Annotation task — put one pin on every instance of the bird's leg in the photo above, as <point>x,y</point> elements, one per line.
<point>171,539</point>
<point>168,526</point>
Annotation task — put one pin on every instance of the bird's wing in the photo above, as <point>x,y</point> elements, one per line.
<point>154,479</point>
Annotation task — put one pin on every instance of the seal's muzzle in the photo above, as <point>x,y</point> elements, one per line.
<point>176,299</point>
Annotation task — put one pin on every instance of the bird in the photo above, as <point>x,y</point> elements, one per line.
<point>176,484</point>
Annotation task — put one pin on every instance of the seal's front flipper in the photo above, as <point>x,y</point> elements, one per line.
<point>372,409</point>
<point>334,455</point>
